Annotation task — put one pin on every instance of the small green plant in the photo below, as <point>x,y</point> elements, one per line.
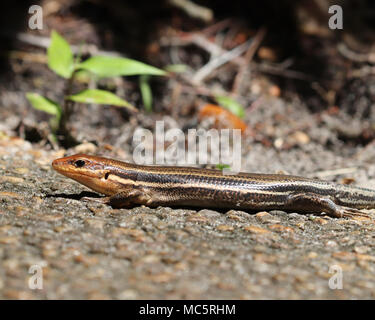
<point>231,105</point>
<point>222,166</point>
<point>144,85</point>
<point>62,61</point>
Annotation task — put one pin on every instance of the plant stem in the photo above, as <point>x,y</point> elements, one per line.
<point>63,132</point>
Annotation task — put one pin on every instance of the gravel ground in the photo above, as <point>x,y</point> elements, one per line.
<point>90,251</point>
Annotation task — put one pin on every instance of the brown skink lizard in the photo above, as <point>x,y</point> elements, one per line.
<point>128,184</point>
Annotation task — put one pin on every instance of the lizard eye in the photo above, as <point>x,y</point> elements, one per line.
<point>79,163</point>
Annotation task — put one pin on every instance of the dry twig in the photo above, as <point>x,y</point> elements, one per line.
<point>248,57</point>
<point>215,50</point>
<point>44,42</point>
<point>355,56</point>
<point>202,73</point>
<point>334,172</point>
<point>194,10</point>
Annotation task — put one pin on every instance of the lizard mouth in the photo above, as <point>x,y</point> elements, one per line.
<point>66,167</point>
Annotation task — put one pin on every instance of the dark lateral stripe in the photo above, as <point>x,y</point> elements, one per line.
<point>126,174</point>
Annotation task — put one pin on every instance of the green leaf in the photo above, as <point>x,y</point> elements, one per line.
<point>60,56</point>
<point>176,68</point>
<point>222,166</point>
<point>146,92</point>
<point>232,105</point>
<point>104,66</point>
<point>41,103</point>
<point>100,97</point>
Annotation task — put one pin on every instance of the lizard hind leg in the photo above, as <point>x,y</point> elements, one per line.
<point>308,202</point>
<point>351,212</point>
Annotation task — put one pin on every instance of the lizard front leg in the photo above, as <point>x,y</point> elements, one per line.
<point>126,198</point>
<point>129,198</point>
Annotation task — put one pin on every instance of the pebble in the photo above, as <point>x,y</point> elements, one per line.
<point>86,147</point>
<point>7,194</point>
<point>95,223</point>
<point>312,255</point>
<point>361,249</point>
<point>254,229</point>
<point>12,179</point>
<point>365,257</point>
<point>128,294</point>
<point>224,227</point>
<point>280,228</point>
<point>22,170</point>
<point>331,244</point>
<point>5,229</point>
<point>15,294</point>
<point>197,219</point>
<point>264,258</point>
<point>301,225</point>
<point>116,232</point>
<point>320,221</point>
<point>263,215</point>
<point>51,218</point>
<point>96,295</point>
<point>148,259</point>
<point>161,277</point>
<point>344,255</point>
<point>9,240</point>
<point>209,213</point>
<point>86,259</point>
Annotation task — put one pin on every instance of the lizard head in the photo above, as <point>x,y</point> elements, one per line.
<point>91,171</point>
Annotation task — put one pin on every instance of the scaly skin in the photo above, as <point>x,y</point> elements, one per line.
<point>128,184</point>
